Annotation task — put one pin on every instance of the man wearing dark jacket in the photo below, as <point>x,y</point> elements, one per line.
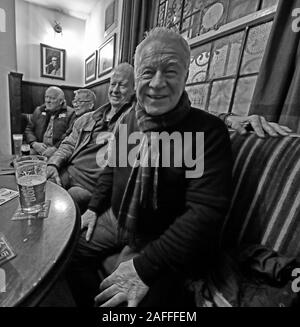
<point>49,123</point>
<point>162,213</point>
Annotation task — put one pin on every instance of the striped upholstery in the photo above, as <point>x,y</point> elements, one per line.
<point>265,206</point>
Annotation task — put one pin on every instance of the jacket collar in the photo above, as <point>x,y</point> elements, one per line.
<point>101,112</point>
<point>62,108</point>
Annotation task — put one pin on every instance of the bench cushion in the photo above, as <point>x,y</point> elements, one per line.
<point>265,207</point>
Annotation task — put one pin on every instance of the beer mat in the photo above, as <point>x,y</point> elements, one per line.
<point>7,171</point>
<point>7,194</point>
<point>20,215</point>
<point>6,251</point>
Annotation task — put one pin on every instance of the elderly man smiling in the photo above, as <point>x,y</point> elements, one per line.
<point>74,165</point>
<point>165,225</point>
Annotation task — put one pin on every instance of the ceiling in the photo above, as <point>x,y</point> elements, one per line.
<point>76,8</point>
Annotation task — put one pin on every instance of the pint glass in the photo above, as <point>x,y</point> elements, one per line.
<point>18,139</point>
<point>31,175</point>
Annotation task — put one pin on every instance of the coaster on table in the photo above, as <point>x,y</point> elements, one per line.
<point>7,194</point>
<point>20,215</point>
<point>6,251</point>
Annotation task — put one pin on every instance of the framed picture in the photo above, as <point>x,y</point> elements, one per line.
<point>107,56</point>
<point>111,14</point>
<point>91,67</point>
<point>53,62</point>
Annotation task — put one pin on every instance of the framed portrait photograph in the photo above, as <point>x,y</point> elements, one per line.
<point>91,67</point>
<point>107,56</point>
<point>53,62</point>
<point>111,14</point>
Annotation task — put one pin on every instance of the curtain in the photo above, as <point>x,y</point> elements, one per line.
<point>137,17</point>
<point>277,91</point>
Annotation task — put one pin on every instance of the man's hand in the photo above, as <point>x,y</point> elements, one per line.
<point>52,173</point>
<point>88,219</point>
<point>49,151</point>
<point>39,147</point>
<point>123,285</point>
<point>259,125</point>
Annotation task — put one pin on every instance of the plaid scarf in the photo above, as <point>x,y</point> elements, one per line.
<point>141,188</point>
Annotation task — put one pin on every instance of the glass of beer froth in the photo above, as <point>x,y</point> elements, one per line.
<point>18,139</point>
<point>31,176</point>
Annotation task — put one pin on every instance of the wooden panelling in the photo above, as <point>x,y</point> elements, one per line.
<point>33,95</point>
<point>26,96</point>
<point>15,101</point>
<point>101,91</point>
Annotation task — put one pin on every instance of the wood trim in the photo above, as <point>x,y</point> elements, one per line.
<point>46,85</point>
<point>15,101</point>
<point>103,81</point>
<point>249,20</point>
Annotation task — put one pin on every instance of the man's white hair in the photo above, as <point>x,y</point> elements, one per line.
<point>164,33</point>
<point>126,69</point>
<point>88,94</point>
<point>59,91</point>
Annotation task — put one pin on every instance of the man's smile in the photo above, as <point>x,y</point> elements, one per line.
<point>157,97</point>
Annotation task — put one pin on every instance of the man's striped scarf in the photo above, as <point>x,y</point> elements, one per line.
<point>141,188</point>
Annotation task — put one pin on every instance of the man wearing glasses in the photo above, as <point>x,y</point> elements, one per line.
<point>74,165</point>
<point>83,102</point>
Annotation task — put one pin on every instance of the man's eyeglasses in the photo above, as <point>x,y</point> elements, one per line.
<point>74,102</point>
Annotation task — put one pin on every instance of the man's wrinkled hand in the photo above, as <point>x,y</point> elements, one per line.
<point>88,220</point>
<point>49,151</point>
<point>52,173</point>
<point>259,124</point>
<point>122,286</point>
<point>39,147</point>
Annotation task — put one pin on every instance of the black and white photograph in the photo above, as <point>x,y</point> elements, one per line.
<point>149,159</point>
<point>107,56</point>
<point>91,67</point>
<point>53,61</point>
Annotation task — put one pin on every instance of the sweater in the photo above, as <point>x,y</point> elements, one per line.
<point>183,233</point>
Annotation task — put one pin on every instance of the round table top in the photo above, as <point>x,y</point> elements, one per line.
<point>42,246</point>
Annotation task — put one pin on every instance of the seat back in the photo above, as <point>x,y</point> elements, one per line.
<point>265,207</point>
<point>25,119</point>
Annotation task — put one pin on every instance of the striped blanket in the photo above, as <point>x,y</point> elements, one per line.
<point>265,207</point>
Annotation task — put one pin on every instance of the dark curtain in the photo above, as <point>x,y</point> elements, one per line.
<point>277,92</point>
<point>137,17</point>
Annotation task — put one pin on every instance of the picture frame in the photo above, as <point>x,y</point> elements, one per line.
<point>91,67</point>
<point>53,62</point>
<point>106,60</point>
<point>110,20</point>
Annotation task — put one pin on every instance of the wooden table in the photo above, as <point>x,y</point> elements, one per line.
<point>42,246</point>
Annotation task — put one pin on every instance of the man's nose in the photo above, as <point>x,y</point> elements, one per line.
<point>158,80</point>
<point>116,88</point>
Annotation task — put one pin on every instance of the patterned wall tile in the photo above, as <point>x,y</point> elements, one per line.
<point>240,8</point>
<point>243,95</point>
<point>225,56</point>
<point>255,48</point>
<point>199,64</point>
<point>220,96</point>
<point>198,95</point>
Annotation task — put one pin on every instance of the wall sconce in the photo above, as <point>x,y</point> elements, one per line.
<point>57,27</point>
